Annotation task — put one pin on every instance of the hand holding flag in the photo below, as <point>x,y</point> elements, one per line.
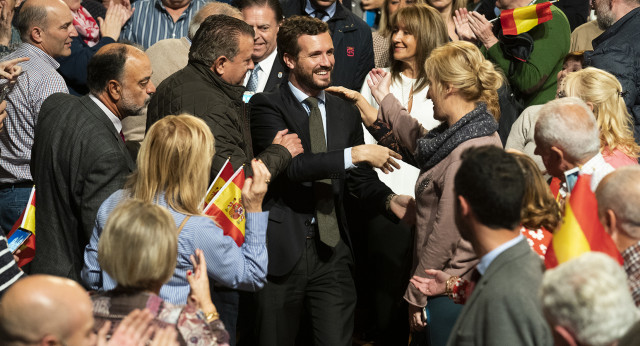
<point>256,187</point>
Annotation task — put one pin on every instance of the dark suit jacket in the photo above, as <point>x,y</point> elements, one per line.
<point>78,160</point>
<point>504,308</point>
<point>290,198</point>
<point>276,76</point>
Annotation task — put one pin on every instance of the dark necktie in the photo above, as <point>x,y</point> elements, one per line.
<point>320,14</point>
<point>323,190</point>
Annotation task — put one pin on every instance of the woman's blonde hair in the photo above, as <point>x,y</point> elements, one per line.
<point>604,91</point>
<point>139,245</point>
<point>174,159</point>
<point>384,28</point>
<point>461,65</point>
<point>539,208</point>
<point>414,19</point>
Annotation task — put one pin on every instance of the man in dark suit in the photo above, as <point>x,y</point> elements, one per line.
<point>310,260</point>
<point>503,308</point>
<point>79,155</point>
<point>265,17</point>
<point>351,36</point>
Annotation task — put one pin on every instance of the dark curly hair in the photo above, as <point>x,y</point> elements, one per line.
<point>294,27</point>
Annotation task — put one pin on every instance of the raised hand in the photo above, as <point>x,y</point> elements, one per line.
<point>379,82</point>
<point>461,20</point>
<point>255,187</point>
<point>377,156</point>
<point>368,113</point>
<point>482,29</point>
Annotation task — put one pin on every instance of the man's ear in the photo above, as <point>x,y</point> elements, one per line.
<point>465,209</point>
<point>609,221</point>
<point>49,340</point>
<point>289,61</point>
<point>114,90</point>
<point>36,34</point>
<point>219,64</point>
<point>556,155</point>
<point>566,335</point>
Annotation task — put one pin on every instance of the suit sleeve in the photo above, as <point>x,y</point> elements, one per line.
<point>267,119</point>
<point>105,175</point>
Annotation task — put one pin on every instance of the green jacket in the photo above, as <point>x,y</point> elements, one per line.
<point>535,80</point>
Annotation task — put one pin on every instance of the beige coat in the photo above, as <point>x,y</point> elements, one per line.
<point>438,244</point>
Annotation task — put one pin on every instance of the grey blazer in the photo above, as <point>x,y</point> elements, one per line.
<point>504,308</point>
<point>77,161</point>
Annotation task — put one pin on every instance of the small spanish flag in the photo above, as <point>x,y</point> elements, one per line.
<point>223,176</point>
<point>581,230</point>
<point>522,19</point>
<point>27,222</point>
<point>227,210</point>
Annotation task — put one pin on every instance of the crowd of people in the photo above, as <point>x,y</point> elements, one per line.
<point>408,178</point>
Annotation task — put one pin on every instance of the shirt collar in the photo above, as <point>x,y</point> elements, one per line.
<point>267,63</point>
<point>486,260</point>
<point>114,119</point>
<point>590,166</point>
<point>42,54</point>
<point>301,96</point>
<point>629,253</point>
<point>331,10</point>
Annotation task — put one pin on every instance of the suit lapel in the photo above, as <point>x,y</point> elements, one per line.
<point>99,115</point>
<point>297,116</point>
<point>276,76</point>
<point>334,124</point>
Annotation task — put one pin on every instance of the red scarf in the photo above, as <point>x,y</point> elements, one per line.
<point>86,26</point>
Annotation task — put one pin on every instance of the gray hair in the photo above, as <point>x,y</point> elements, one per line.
<point>589,296</point>
<point>209,10</point>
<point>620,192</point>
<point>569,124</point>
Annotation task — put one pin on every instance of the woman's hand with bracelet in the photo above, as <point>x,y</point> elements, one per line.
<point>433,286</point>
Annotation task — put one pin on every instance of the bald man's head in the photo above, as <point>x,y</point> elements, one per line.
<point>48,25</point>
<point>209,10</point>
<point>44,309</point>
<point>120,76</point>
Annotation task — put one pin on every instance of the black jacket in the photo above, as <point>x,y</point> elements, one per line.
<point>352,42</point>
<point>617,51</point>
<point>198,91</point>
<point>290,199</point>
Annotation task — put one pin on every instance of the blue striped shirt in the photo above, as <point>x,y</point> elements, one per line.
<point>242,267</point>
<point>39,79</point>
<point>151,22</point>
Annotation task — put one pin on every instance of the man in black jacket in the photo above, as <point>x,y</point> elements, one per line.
<point>351,37</point>
<point>617,50</point>
<point>210,87</point>
<point>310,257</point>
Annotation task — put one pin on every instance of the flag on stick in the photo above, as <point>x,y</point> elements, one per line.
<point>27,222</point>
<point>581,230</point>
<point>223,176</point>
<point>515,21</point>
<point>227,210</point>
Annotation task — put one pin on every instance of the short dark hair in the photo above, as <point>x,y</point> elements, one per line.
<point>274,5</point>
<point>294,27</point>
<point>28,17</point>
<point>218,36</point>
<point>105,66</point>
<point>493,184</point>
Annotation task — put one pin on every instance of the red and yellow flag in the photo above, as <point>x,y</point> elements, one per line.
<point>27,222</point>
<point>227,210</point>
<point>223,176</point>
<point>522,19</point>
<point>581,230</point>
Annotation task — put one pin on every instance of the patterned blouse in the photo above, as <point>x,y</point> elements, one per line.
<point>189,321</point>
